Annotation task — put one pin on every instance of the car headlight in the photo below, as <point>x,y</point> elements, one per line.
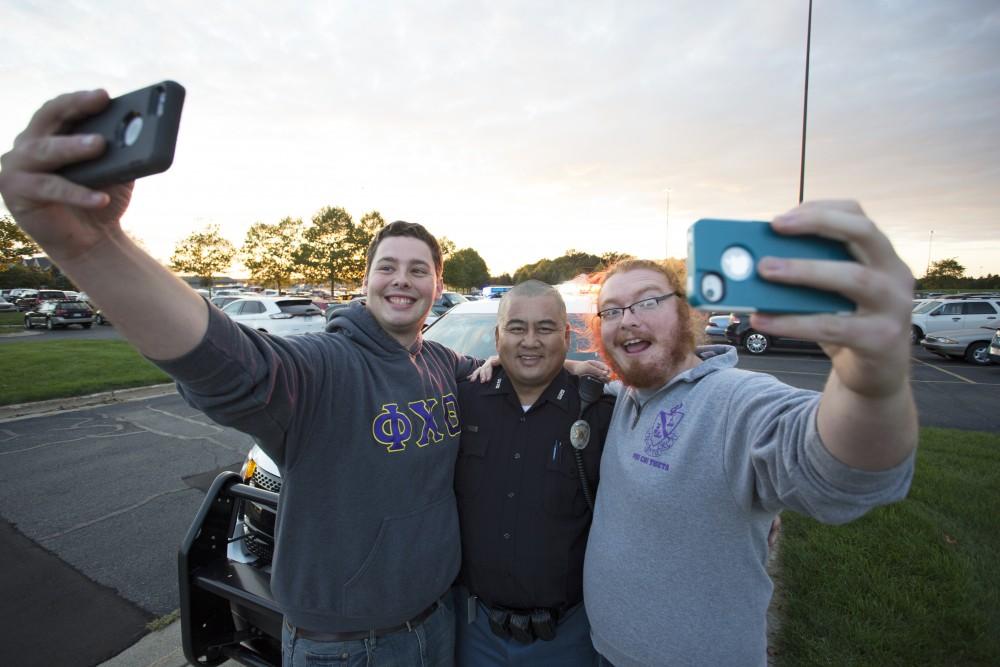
<point>248,469</point>
<point>944,341</point>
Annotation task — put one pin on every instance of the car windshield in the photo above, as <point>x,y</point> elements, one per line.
<point>472,334</point>
<point>298,307</point>
<point>920,310</point>
<point>72,305</point>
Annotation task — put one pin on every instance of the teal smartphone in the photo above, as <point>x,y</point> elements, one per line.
<point>722,269</point>
<point>140,129</point>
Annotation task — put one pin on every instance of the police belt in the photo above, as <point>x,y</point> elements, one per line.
<point>525,625</point>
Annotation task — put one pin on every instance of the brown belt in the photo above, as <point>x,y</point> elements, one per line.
<point>365,634</point>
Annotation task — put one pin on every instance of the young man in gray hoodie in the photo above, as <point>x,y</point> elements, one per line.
<point>700,456</point>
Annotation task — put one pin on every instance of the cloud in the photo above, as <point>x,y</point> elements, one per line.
<point>523,129</point>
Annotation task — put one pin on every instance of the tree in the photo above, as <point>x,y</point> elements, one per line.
<point>465,269</point>
<point>203,254</point>
<point>365,231</point>
<point>611,258</point>
<point>14,244</point>
<point>328,248</point>
<point>19,275</point>
<point>946,268</point>
<point>269,251</point>
<point>447,247</point>
<point>502,279</point>
<point>561,269</point>
<point>944,273</point>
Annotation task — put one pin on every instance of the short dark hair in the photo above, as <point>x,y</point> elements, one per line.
<point>412,229</point>
<point>529,288</point>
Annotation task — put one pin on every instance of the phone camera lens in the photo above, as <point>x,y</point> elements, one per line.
<point>737,263</point>
<point>133,128</point>
<point>712,287</point>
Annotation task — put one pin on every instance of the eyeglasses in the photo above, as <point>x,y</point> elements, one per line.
<point>646,305</point>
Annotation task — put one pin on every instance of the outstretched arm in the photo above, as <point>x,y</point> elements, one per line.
<point>867,417</point>
<point>80,230</point>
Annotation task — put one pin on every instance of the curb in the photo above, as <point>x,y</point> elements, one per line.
<point>34,409</point>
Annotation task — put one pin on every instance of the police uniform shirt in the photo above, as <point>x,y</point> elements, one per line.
<point>524,519</point>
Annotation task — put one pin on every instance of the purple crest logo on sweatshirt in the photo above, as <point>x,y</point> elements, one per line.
<point>662,435</point>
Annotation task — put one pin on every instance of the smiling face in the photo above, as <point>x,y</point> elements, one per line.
<point>532,340</point>
<point>648,347</point>
<point>401,286</point>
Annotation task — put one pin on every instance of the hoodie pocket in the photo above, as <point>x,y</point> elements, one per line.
<point>414,560</point>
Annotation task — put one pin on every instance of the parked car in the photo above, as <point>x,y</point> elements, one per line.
<point>59,314</point>
<point>948,315</point>
<point>969,344</point>
<point>25,303</point>
<point>223,301</point>
<point>994,349</point>
<point>443,304</point>
<point>6,306</point>
<point>715,330</point>
<point>332,308</point>
<point>282,316</point>
<point>740,334</point>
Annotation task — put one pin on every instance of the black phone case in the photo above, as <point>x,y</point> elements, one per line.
<point>159,107</point>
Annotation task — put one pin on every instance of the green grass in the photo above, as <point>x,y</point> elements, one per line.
<point>915,583</point>
<point>39,370</point>
<point>14,319</point>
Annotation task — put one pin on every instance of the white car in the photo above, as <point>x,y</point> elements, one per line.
<point>281,316</point>
<point>951,314</point>
<point>973,345</point>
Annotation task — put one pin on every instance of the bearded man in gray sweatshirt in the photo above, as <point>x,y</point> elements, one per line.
<point>701,456</point>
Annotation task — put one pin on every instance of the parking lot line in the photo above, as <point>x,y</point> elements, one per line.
<point>938,368</point>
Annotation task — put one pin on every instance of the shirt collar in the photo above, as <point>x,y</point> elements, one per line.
<point>560,391</point>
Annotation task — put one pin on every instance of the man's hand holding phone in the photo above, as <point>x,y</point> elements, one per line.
<point>78,226</point>
<point>870,347</point>
<point>77,143</point>
<point>65,218</point>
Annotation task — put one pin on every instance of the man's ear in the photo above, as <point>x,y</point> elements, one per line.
<point>364,285</point>
<point>496,338</point>
<point>568,333</point>
<point>440,288</point>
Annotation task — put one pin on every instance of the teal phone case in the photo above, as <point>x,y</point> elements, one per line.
<point>709,238</point>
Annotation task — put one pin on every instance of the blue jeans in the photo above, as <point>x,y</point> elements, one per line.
<point>430,644</point>
<point>477,646</point>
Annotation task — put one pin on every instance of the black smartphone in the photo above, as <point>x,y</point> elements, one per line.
<point>722,274</point>
<point>141,131</point>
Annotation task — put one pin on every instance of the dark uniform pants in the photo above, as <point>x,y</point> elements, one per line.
<point>477,646</point>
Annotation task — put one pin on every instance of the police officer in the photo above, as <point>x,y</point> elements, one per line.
<point>525,493</point>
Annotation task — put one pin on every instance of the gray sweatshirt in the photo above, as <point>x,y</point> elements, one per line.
<point>693,474</point>
<point>365,433</point>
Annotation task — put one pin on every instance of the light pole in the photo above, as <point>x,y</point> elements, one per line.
<point>805,106</point>
<point>666,245</point>
<point>929,241</point>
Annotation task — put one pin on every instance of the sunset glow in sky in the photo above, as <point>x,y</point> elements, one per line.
<point>524,129</point>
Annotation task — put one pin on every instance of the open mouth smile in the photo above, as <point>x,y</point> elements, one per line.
<point>635,345</point>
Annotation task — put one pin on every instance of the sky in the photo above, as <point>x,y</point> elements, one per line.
<point>524,129</point>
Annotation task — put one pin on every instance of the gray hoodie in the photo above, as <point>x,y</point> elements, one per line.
<point>693,474</point>
<point>365,433</point>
